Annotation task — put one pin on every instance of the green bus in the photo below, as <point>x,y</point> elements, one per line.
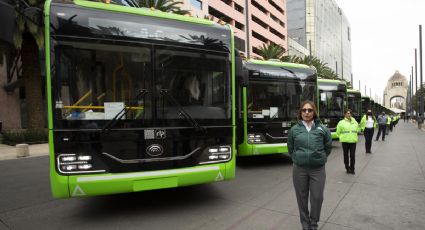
<point>137,99</point>
<point>332,103</point>
<point>354,100</point>
<point>367,104</point>
<point>269,104</point>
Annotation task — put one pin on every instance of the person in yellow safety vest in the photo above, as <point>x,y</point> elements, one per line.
<point>347,131</point>
<point>368,124</point>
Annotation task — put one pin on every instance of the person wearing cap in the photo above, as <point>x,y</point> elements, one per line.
<point>368,124</point>
<point>347,130</point>
<point>382,124</point>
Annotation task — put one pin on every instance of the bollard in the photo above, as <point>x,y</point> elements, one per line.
<point>22,150</point>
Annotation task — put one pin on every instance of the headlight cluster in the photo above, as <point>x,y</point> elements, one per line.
<point>286,124</point>
<point>256,138</point>
<point>326,120</point>
<point>75,163</point>
<point>216,154</point>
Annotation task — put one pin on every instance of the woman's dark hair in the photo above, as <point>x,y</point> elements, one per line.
<point>312,105</point>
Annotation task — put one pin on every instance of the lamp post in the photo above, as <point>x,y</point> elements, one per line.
<point>420,70</point>
<point>410,97</point>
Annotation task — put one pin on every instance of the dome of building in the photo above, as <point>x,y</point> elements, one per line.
<point>397,77</point>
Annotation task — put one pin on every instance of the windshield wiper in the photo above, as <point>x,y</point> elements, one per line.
<point>122,113</point>
<point>182,112</point>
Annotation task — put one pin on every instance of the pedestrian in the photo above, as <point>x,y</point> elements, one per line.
<point>420,121</point>
<point>387,128</point>
<point>347,131</point>
<point>309,144</point>
<point>368,125</point>
<point>382,124</point>
<point>392,122</point>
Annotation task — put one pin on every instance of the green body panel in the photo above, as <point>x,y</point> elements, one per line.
<point>231,165</point>
<point>278,63</point>
<point>262,149</point>
<point>353,91</point>
<point>322,80</point>
<point>58,184</point>
<point>102,184</point>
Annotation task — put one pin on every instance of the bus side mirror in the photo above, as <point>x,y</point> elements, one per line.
<point>241,72</point>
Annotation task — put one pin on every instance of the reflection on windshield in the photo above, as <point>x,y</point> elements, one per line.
<point>331,104</point>
<point>96,82</point>
<point>277,99</point>
<point>354,105</point>
<point>199,82</point>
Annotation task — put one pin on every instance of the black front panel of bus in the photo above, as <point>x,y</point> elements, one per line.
<point>272,132</point>
<point>134,144</point>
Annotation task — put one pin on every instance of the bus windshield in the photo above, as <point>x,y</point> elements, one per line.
<point>277,99</point>
<point>331,103</point>
<point>199,83</point>
<point>96,81</point>
<point>354,103</point>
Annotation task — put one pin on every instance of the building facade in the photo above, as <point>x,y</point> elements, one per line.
<point>255,22</point>
<point>395,93</point>
<point>322,28</point>
<point>10,92</point>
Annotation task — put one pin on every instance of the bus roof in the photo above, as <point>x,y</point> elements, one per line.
<point>353,91</point>
<point>141,11</point>
<point>331,81</point>
<point>278,63</point>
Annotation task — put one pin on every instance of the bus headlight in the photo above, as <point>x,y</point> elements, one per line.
<point>256,138</point>
<point>72,163</point>
<point>216,154</point>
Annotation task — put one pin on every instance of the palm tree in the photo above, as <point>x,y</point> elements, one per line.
<point>162,5</point>
<point>292,59</point>
<point>28,40</point>
<point>271,51</point>
<point>323,71</point>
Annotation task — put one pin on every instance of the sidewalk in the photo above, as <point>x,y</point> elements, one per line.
<point>9,152</point>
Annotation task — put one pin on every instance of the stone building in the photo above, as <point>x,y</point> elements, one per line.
<point>395,93</point>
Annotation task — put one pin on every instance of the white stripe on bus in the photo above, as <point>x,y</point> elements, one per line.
<point>147,174</point>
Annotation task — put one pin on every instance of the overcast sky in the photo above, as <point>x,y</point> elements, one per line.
<point>384,35</point>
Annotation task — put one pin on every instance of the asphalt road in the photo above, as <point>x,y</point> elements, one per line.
<point>387,192</point>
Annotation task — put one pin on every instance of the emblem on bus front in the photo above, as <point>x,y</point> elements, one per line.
<point>154,150</point>
<point>160,134</point>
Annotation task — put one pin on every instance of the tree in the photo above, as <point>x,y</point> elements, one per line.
<point>271,51</point>
<point>28,40</point>
<point>323,71</point>
<point>417,99</point>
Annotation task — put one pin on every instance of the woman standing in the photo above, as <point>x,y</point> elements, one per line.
<point>309,144</point>
<point>347,130</point>
<point>368,125</point>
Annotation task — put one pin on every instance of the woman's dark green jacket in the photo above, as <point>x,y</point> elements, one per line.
<point>309,149</point>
